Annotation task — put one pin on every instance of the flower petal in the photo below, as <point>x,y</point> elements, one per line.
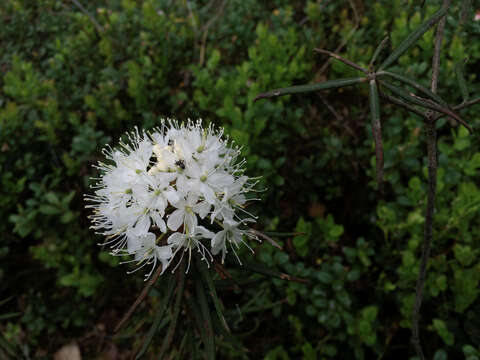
<point>175,219</point>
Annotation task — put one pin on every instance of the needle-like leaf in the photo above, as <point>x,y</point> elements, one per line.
<point>377,132</point>
<point>162,307</point>
<point>207,278</point>
<point>207,321</point>
<point>462,84</point>
<point>176,310</point>
<point>415,85</point>
<point>425,103</point>
<point>413,37</point>
<point>261,269</point>
<point>311,87</point>
<point>378,50</point>
<point>401,103</point>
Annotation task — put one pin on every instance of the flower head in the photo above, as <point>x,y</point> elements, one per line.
<point>179,188</point>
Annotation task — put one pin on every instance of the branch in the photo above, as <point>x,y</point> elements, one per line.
<point>432,185</point>
<point>356,20</point>
<point>345,61</point>
<point>90,17</point>
<point>467,104</point>
<point>139,299</point>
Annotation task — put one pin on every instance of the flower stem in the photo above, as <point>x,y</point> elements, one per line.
<point>431,133</point>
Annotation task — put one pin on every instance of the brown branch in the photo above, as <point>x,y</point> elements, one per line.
<point>432,185</point>
<point>339,118</point>
<point>339,48</point>
<point>437,49</point>
<point>266,237</point>
<point>466,104</point>
<point>139,299</point>
<point>345,61</point>
<point>90,17</point>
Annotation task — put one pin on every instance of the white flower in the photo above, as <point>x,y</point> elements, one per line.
<point>169,184</point>
<point>230,234</point>
<point>184,214</point>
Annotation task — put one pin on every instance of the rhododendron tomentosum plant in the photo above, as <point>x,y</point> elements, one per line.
<point>177,189</point>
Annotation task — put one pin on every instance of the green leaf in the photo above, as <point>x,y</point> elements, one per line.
<point>378,50</point>
<point>413,37</point>
<point>415,85</point>
<point>262,269</point>
<point>176,310</point>
<point>207,278</point>
<point>441,328</point>
<point>377,132</point>
<point>207,321</point>
<point>311,87</point>
<point>462,84</point>
<point>9,315</point>
<point>440,355</point>
<point>425,103</point>
<point>336,231</point>
<point>324,277</point>
<point>161,309</point>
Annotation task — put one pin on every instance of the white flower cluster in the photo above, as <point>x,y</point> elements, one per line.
<point>169,191</point>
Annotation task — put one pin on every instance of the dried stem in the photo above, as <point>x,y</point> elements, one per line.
<point>344,42</point>
<point>345,61</point>
<point>466,104</point>
<point>139,299</point>
<point>431,133</point>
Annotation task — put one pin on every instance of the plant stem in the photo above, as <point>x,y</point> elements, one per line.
<point>431,133</point>
<point>428,232</point>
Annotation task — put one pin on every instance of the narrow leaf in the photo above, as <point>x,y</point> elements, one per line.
<point>266,237</point>
<point>413,37</point>
<point>162,307</point>
<point>377,132</point>
<point>9,348</point>
<point>415,85</point>
<point>207,278</point>
<point>207,321</point>
<point>462,84</point>
<point>401,103</point>
<point>176,310</point>
<point>194,313</point>
<point>378,50</point>
<point>311,87</point>
<point>261,269</point>
<point>4,301</point>
<point>283,234</point>
<point>9,315</point>
<point>425,103</point>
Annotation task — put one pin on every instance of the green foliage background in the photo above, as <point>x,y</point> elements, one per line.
<point>67,88</point>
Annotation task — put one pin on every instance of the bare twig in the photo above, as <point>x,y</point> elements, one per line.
<point>345,61</point>
<point>438,47</point>
<point>344,42</point>
<point>337,116</point>
<point>467,104</point>
<point>266,237</point>
<point>432,185</point>
<point>139,299</point>
<point>90,17</point>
